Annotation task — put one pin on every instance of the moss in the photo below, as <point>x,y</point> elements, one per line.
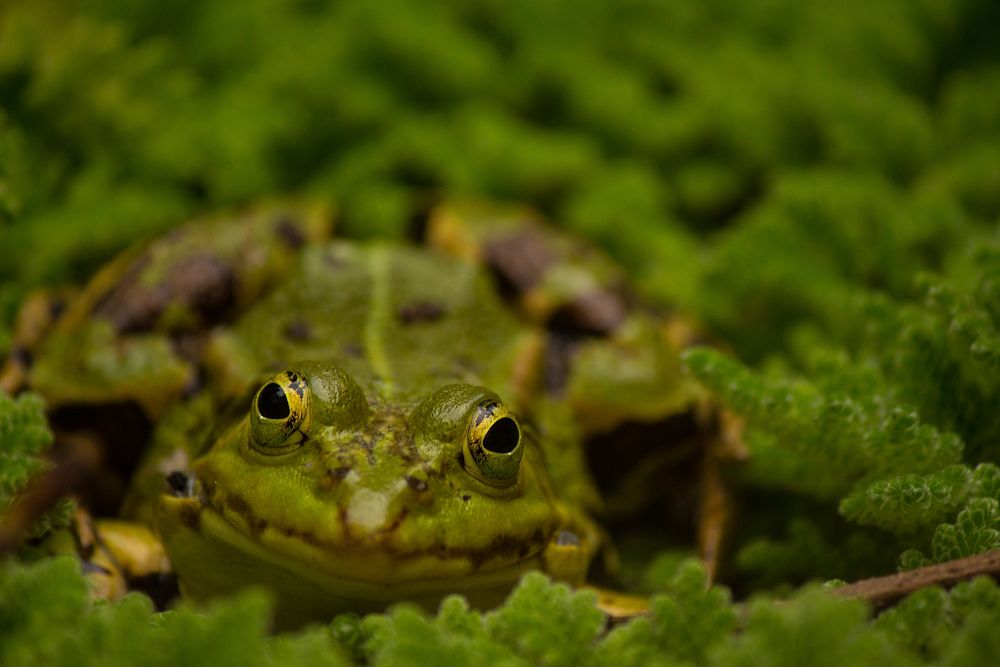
<point>816,186</point>
<point>45,615</point>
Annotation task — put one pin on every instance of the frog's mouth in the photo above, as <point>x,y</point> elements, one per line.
<point>215,550</point>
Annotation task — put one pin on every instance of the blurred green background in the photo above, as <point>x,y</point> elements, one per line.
<point>818,183</point>
<point>745,160</point>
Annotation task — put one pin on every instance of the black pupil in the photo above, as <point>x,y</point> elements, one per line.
<point>502,437</point>
<point>272,403</point>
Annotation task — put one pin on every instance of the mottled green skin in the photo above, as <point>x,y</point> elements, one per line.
<point>377,495</point>
<point>397,345</point>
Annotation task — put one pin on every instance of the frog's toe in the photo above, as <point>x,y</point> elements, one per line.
<point>618,606</point>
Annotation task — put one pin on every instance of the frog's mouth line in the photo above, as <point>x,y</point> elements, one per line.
<point>197,531</point>
<point>219,560</point>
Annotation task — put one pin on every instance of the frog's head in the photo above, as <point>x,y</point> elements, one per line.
<point>336,498</point>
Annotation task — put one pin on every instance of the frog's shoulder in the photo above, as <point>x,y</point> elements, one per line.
<point>132,334</point>
<point>610,354</point>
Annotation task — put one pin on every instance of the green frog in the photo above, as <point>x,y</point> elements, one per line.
<point>350,424</point>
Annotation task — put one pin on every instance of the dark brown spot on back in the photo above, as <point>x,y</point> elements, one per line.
<point>597,313</point>
<point>420,311</point>
<point>519,261</point>
<point>204,283</point>
<point>557,361</point>
<point>287,229</point>
<point>299,331</point>
<point>189,346</point>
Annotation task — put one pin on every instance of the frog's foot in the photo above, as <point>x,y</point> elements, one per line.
<point>568,555</point>
<point>618,606</point>
<point>114,555</point>
<point>134,547</point>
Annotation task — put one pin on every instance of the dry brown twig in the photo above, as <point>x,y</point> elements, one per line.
<point>885,591</point>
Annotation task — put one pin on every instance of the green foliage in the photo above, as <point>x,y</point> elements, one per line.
<point>806,250</point>
<point>861,445</point>
<point>810,544</point>
<point>815,630</point>
<point>976,530</point>
<point>24,437</point>
<point>456,637</point>
<point>944,350</point>
<point>683,626</point>
<point>523,631</point>
<point>838,439</point>
<point>46,617</point>
<point>945,628</point>
<point>910,503</point>
<point>883,424</point>
<point>817,185</point>
<point>521,623</point>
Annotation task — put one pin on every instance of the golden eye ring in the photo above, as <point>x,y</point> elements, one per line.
<point>493,444</point>
<point>280,415</point>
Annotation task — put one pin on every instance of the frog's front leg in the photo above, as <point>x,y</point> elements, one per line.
<point>567,556</point>
<point>113,554</point>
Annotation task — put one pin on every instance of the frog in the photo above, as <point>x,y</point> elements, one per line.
<point>351,424</point>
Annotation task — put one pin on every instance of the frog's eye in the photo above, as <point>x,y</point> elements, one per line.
<point>279,417</point>
<point>493,448</point>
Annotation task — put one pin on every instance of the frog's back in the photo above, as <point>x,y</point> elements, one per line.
<point>405,319</point>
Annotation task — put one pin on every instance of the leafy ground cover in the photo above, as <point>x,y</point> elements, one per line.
<point>820,186</point>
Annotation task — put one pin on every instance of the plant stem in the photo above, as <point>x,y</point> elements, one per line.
<point>884,591</point>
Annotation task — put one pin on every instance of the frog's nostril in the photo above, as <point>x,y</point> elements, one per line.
<point>180,484</point>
